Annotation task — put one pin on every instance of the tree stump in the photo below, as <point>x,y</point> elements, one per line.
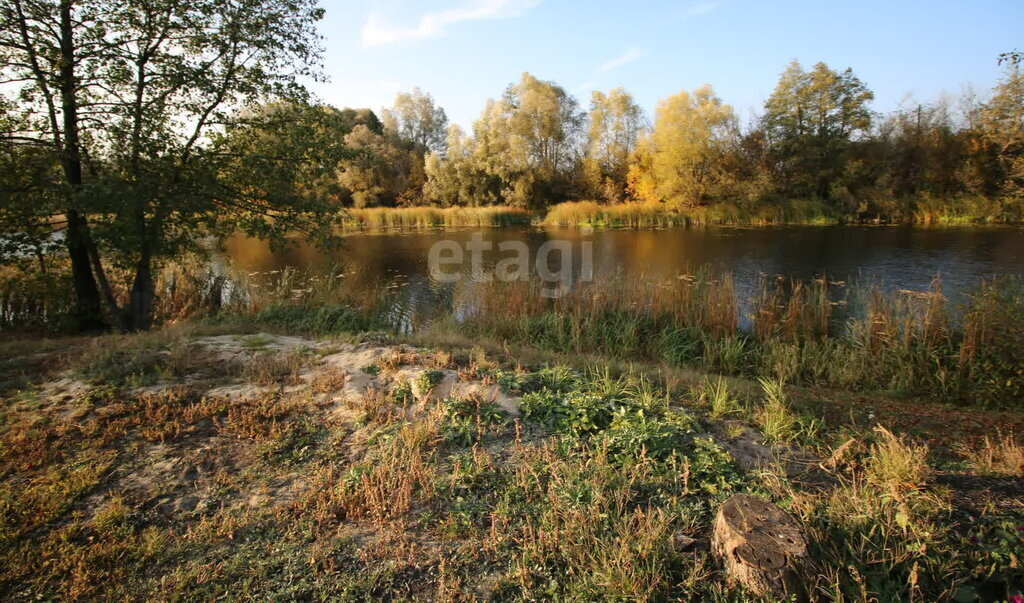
<point>760,546</point>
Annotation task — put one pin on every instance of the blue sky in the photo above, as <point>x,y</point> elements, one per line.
<point>466,51</point>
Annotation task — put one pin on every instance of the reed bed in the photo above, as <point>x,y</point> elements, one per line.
<point>389,218</point>
<point>661,215</point>
<point>625,215</point>
<point>910,343</point>
<point>919,210</point>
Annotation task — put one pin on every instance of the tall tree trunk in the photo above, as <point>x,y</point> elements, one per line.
<point>141,309</point>
<point>106,293</point>
<point>86,292</point>
<point>87,295</point>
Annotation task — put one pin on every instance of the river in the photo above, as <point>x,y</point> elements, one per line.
<point>891,257</point>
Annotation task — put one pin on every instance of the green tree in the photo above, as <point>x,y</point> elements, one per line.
<point>28,206</point>
<point>288,152</point>
<point>125,93</point>
<point>382,170</point>
<point>809,121</point>
<point>529,142</point>
<point>457,178</point>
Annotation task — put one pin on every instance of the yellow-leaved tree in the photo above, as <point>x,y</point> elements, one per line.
<point>680,162</point>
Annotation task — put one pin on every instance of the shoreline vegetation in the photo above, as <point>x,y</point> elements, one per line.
<point>818,153</point>
<point>809,333</point>
<point>385,218</point>
<point>964,211</point>
<point>903,342</point>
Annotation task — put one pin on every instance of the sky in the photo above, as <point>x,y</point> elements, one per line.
<point>466,51</point>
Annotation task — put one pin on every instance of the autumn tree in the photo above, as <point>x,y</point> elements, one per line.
<point>615,123</point>
<point>1002,124</point>
<point>529,139</point>
<point>681,161</point>
<point>458,178</point>
<point>524,150</point>
<point>416,119</point>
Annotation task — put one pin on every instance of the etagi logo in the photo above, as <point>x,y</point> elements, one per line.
<point>554,262</point>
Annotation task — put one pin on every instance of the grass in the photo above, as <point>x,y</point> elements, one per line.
<point>603,487</point>
<point>134,485</point>
<point>661,215</point>
<point>918,210</point>
<point>897,464</point>
<point>999,455</point>
<point>906,343</point>
<point>777,421</point>
<point>625,215</point>
<point>389,218</point>
<point>800,333</point>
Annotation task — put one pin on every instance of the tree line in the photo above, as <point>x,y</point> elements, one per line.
<point>130,129</point>
<point>816,139</point>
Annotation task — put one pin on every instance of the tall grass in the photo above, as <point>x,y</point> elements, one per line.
<point>905,342</point>
<point>965,210</point>
<point>657,215</point>
<point>628,215</point>
<point>919,210</point>
<point>388,218</point>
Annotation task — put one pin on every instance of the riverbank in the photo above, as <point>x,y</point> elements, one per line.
<point>660,215</point>
<point>233,459</point>
<point>801,332</point>
<point>960,211</point>
<point>390,218</point>
<point>923,210</point>
<point>910,343</point>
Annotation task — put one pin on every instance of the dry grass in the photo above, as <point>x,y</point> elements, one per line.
<point>897,463</point>
<point>328,381</point>
<point>386,218</point>
<point>385,487</point>
<point>1002,455</point>
<point>451,501</point>
<point>267,370</point>
<point>628,215</point>
<point>376,406</point>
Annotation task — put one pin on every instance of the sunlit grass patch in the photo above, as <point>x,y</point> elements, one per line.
<point>383,218</point>
<point>897,463</point>
<point>779,423</point>
<point>1002,454</point>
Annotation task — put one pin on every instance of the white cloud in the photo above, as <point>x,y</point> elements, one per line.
<point>585,86</point>
<point>376,32</point>
<point>632,53</point>
<point>364,94</point>
<point>700,9</point>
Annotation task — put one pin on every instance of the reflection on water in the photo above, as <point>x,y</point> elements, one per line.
<point>898,257</point>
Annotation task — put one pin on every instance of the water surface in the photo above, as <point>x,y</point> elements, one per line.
<point>893,257</point>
